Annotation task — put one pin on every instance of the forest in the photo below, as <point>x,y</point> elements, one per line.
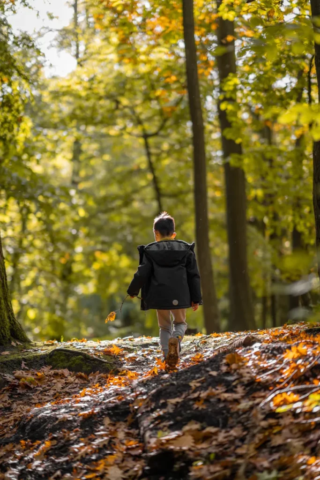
<point>89,159</point>
<point>207,110</point>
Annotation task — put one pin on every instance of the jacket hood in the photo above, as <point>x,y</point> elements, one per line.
<point>167,252</point>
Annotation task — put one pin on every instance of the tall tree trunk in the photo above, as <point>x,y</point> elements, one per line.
<point>210,304</point>
<point>155,180</point>
<point>264,310</point>
<point>273,301</point>
<point>76,32</point>
<point>296,235</point>
<point>15,263</point>
<point>66,274</point>
<point>315,11</point>
<point>241,308</point>
<point>10,328</point>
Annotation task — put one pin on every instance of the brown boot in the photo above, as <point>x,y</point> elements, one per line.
<point>173,354</point>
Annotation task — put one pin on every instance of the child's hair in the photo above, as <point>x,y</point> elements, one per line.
<point>164,224</point>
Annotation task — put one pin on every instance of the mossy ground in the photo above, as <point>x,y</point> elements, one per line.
<point>63,356</point>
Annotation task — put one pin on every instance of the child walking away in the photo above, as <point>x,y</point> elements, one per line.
<point>169,281</point>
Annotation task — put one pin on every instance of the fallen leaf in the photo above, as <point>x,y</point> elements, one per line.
<point>196,383</point>
<point>173,401</point>
<point>114,473</point>
<point>114,350</point>
<point>197,358</point>
<point>234,358</point>
<point>296,352</point>
<point>285,399</point>
<point>181,443</point>
<point>44,448</point>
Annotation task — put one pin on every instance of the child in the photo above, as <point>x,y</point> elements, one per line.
<point>169,280</point>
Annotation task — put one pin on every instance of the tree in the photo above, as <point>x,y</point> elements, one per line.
<point>210,305</point>
<point>98,152</point>
<point>10,328</point>
<point>315,11</point>
<point>241,309</point>
<point>14,85</point>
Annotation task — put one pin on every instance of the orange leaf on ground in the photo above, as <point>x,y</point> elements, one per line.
<point>296,352</point>
<point>285,399</point>
<point>130,374</point>
<point>232,358</point>
<point>153,371</point>
<point>198,357</point>
<point>44,448</point>
<point>161,364</point>
<point>114,350</point>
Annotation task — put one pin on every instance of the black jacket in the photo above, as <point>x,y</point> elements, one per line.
<point>168,276</point>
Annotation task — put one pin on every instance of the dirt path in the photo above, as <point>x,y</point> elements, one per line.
<point>247,411</point>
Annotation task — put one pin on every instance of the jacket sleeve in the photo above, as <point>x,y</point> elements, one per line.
<point>193,278</point>
<point>140,277</point>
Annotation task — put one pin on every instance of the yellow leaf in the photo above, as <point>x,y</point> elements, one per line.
<point>296,352</point>
<point>111,317</point>
<point>81,212</point>
<point>285,399</point>
<point>229,38</point>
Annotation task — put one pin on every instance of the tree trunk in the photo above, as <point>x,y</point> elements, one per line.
<point>264,311</point>
<point>241,309</point>
<point>10,328</point>
<point>155,180</point>
<point>273,301</point>
<point>210,304</point>
<point>315,11</point>
<point>76,32</point>
<point>296,241</point>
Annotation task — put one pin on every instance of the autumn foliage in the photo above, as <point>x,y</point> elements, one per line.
<point>235,403</point>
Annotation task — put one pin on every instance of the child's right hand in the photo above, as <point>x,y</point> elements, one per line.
<point>194,306</point>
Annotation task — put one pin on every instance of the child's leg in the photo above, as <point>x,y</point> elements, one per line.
<point>179,325</point>
<point>164,322</point>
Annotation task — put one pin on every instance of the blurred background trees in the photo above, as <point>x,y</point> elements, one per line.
<point>88,159</point>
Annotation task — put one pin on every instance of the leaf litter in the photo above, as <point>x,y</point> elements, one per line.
<point>245,410</point>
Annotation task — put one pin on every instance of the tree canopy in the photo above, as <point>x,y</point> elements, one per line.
<point>88,160</point>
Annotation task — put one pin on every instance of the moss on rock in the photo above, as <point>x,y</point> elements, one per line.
<point>57,358</point>
<point>78,362</point>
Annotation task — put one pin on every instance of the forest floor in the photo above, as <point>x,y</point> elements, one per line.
<point>239,406</point>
